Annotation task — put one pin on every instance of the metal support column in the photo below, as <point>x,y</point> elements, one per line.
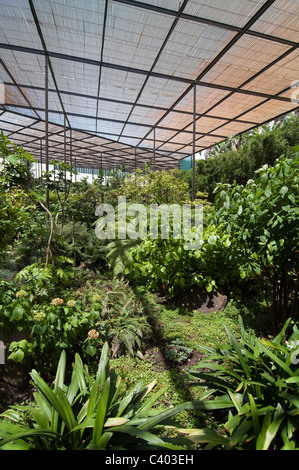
<point>71,155</point>
<point>135,158</point>
<point>47,121</point>
<point>193,155</point>
<point>135,165</point>
<point>64,145</point>
<point>41,160</point>
<point>154,149</point>
<point>64,140</point>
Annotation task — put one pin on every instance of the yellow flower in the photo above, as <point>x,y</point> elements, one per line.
<point>21,293</point>
<point>71,303</point>
<point>57,301</point>
<point>39,316</point>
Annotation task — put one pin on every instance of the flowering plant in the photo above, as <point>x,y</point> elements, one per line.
<point>21,294</point>
<point>39,316</point>
<point>93,334</point>
<point>57,301</point>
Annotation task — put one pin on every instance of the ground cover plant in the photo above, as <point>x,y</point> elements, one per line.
<point>128,314</point>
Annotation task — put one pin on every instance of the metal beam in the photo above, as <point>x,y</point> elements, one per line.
<point>143,72</point>
<point>207,21</point>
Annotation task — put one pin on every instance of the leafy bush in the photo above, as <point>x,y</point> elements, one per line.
<point>50,327</point>
<point>123,324</point>
<point>15,307</point>
<point>237,158</point>
<point>261,222</point>
<point>110,312</point>
<point>15,171</point>
<point>260,378</point>
<point>122,321</point>
<point>157,187</point>
<point>36,276</point>
<point>80,244</point>
<point>164,265</point>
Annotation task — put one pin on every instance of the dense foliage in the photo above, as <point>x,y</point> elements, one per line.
<point>237,159</point>
<point>260,378</point>
<point>261,219</point>
<point>73,294</point>
<point>250,237</point>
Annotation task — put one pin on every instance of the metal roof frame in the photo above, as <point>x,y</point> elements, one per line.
<point>113,82</point>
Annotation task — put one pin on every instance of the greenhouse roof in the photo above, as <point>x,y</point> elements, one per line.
<point>127,81</point>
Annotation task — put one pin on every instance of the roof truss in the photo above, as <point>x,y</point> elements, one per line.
<point>134,81</point>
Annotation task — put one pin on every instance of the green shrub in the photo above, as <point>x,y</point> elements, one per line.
<point>260,378</point>
<point>114,315</point>
<point>237,158</point>
<point>261,223</point>
<point>52,328</point>
<point>164,265</point>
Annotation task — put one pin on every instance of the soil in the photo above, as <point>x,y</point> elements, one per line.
<point>157,357</point>
<point>197,299</point>
<point>10,396</point>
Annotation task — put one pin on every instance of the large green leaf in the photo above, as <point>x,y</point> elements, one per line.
<point>238,351</point>
<point>254,415</point>
<point>277,361</point>
<point>207,435</point>
<point>60,372</point>
<point>269,429</point>
<point>66,410</point>
<point>101,413</point>
<point>144,435</point>
<point>27,434</point>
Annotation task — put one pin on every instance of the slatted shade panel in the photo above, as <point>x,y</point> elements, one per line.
<point>133,81</point>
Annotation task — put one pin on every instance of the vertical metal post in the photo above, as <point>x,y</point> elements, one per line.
<point>154,149</point>
<point>71,154</point>
<point>102,171</point>
<point>47,121</point>
<point>41,160</point>
<point>64,145</point>
<point>64,140</point>
<point>194,130</point>
<point>135,165</point>
<point>64,155</point>
<point>135,158</point>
